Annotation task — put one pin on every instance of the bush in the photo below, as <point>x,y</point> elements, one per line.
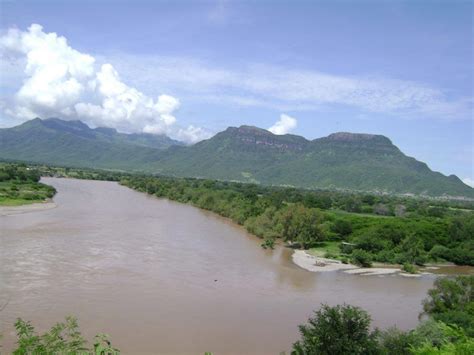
<point>337,330</point>
<point>452,301</point>
<point>409,268</point>
<point>395,342</point>
<point>437,338</point>
<point>329,255</point>
<point>268,243</point>
<point>439,252</point>
<point>63,338</point>
<point>361,257</point>
<point>346,248</point>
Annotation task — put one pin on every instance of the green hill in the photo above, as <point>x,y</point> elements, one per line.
<point>350,161</point>
<point>341,160</point>
<point>59,142</point>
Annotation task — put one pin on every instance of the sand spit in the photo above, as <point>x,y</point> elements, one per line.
<point>372,271</point>
<point>318,264</point>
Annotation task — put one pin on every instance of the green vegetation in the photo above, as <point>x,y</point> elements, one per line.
<point>361,162</point>
<point>328,249</point>
<point>72,143</point>
<point>337,330</point>
<point>452,301</point>
<point>328,221</point>
<point>62,338</point>
<point>409,268</point>
<point>341,161</point>
<point>343,225</point>
<point>20,185</point>
<point>345,330</point>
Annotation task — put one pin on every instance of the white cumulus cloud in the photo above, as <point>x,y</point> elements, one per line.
<point>284,125</point>
<point>55,73</point>
<point>62,82</point>
<point>193,134</point>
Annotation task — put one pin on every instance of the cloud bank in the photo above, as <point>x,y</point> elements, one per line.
<point>284,125</point>
<point>284,88</point>
<point>60,81</point>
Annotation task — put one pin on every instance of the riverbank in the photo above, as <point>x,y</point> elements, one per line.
<point>20,186</point>
<point>314,263</point>
<point>33,207</point>
<point>320,264</point>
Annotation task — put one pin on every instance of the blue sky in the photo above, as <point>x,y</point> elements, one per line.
<point>190,69</point>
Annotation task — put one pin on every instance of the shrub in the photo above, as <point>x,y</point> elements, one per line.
<point>409,268</point>
<point>268,243</point>
<point>329,255</point>
<point>361,257</point>
<point>439,252</point>
<point>62,338</point>
<point>394,341</point>
<point>452,302</point>
<point>337,330</point>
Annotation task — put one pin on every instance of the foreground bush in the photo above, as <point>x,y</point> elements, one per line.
<point>342,330</point>
<point>451,301</point>
<point>337,330</point>
<point>62,338</point>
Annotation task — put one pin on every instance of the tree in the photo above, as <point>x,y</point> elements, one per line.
<point>337,330</point>
<point>62,338</point>
<point>450,340</point>
<point>300,224</point>
<point>307,222</point>
<point>342,227</point>
<point>382,209</point>
<point>394,341</point>
<point>413,249</point>
<point>452,302</point>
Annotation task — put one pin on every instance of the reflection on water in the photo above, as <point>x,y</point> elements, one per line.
<point>162,277</point>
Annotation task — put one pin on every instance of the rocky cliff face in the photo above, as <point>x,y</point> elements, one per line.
<point>253,136</point>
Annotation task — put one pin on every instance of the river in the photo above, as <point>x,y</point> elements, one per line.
<point>166,278</point>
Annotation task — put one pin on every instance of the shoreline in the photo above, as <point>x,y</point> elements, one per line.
<point>319,264</point>
<point>34,207</point>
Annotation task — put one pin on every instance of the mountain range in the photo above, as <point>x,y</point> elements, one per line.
<point>353,161</point>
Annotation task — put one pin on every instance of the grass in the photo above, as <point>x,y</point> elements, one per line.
<point>16,193</point>
<point>17,202</point>
<point>327,249</point>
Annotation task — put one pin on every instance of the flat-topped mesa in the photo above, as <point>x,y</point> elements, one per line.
<point>355,137</point>
<point>360,140</point>
<point>259,137</point>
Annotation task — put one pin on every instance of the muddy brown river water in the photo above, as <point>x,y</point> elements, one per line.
<point>166,278</point>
